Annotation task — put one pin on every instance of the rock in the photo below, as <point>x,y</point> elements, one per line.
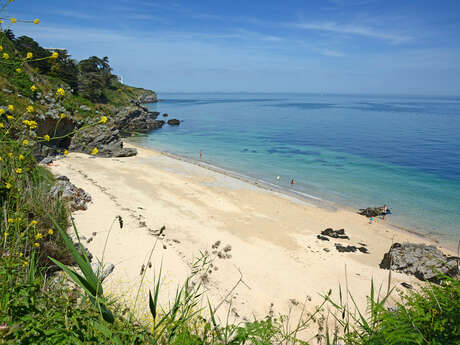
<point>372,211</point>
<point>7,90</point>
<point>148,98</point>
<point>87,252</point>
<point>137,119</point>
<point>335,233</point>
<point>322,238</point>
<point>350,249</point>
<point>423,261</point>
<point>174,122</point>
<point>102,271</point>
<point>46,160</point>
<point>165,115</point>
<point>345,249</point>
<point>407,285</point>
<point>77,197</point>
<point>85,108</point>
<point>107,140</point>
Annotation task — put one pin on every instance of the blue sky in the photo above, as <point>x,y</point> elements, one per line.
<point>345,46</point>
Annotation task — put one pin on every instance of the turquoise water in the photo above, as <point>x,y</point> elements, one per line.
<point>356,151</point>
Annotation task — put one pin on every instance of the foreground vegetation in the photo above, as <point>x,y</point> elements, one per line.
<point>49,293</point>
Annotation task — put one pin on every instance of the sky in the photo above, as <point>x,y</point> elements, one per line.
<point>328,46</point>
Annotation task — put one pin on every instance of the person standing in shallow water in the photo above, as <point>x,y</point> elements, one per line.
<point>384,210</point>
<point>292,182</point>
<point>201,154</point>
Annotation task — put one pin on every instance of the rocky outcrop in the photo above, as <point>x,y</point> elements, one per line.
<point>107,140</point>
<point>335,233</point>
<point>174,122</point>
<point>137,119</point>
<point>421,260</point>
<point>76,197</point>
<point>372,211</point>
<point>350,249</point>
<point>148,98</point>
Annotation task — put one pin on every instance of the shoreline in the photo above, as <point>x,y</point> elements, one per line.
<point>266,237</point>
<point>300,196</point>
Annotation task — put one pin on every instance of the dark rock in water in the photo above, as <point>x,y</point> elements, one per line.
<point>165,115</point>
<point>322,238</point>
<point>335,233</point>
<point>107,140</point>
<point>421,260</point>
<point>76,197</point>
<point>137,119</point>
<point>373,211</point>
<point>174,122</point>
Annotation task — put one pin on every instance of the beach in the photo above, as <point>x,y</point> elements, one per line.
<point>265,240</point>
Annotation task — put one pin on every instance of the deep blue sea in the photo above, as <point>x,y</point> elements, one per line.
<point>356,151</point>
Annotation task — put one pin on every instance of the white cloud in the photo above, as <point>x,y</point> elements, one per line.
<point>353,30</point>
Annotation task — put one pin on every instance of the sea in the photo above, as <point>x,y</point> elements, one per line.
<point>353,151</point>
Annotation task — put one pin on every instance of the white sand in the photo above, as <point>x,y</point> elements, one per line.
<point>272,237</point>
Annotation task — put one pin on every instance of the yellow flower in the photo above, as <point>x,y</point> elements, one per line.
<point>30,109</point>
<point>21,157</point>
<point>8,185</point>
<point>33,88</point>
<point>2,111</point>
<point>94,151</point>
<point>19,170</point>
<point>60,91</point>
<point>34,222</point>
<point>46,137</point>
<point>38,236</point>
<point>10,107</point>
<point>18,70</point>
<point>13,20</point>
<point>9,117</point>
<point>26,263</point>
<point>10,154</point>
<point>10,220</point>
<point>6,234</point>
<point>25,142</point>
<point>50,232</point>
<point>1,125</point>
<point>62,116</point>
<point>20,255</point>
<point>6,56</point>
<point>37,244</point>
<point>1,159</point>
<point>29,55</point>
<point>103,119</point>
<point>1,48</point>
<point>37,21</point>
<point>55,55</point>
<point>66,152</point>
<point>32,124</point>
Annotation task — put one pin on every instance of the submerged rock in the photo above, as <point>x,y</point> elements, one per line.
<point>423,261</point>
<point>76,197</point>
<point>373,211</point>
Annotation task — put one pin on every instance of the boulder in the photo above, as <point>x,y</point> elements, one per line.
<point>137,119</point>
<point>347,249</point>
<point>76,197</point>
<point>373,211</point>
<point>174,122</point>
<point>107,140</point>
<point>165,115</point>
<point>335,233</point>
<point>423,261</point>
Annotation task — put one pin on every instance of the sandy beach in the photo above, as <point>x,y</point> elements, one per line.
<point>264,236</point>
